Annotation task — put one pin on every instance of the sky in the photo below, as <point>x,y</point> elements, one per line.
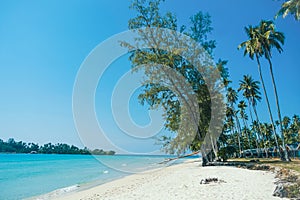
<point>44,43</point>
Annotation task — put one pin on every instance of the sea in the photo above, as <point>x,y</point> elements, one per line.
<point>43,176</point>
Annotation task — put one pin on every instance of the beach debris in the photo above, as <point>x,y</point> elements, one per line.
<point>288,184</point>
<point>280,191</point>
<point>211,180</point>
<point>260,167</point>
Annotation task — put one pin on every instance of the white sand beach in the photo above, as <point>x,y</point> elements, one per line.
<point>182,181</point>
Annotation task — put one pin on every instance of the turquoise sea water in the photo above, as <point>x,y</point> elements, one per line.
<point>26,175</point>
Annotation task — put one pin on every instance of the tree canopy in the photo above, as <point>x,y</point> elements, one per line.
<point>181,75</point>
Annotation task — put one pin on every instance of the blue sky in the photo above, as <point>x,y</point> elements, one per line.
<point>43,44</point>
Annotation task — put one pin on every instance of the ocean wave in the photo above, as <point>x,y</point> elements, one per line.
<point>56,193</point>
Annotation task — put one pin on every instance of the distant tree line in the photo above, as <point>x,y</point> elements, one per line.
<point>12,146</point>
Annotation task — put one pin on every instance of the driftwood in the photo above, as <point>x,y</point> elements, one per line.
<point>211,180</point>
<point>184,156</point>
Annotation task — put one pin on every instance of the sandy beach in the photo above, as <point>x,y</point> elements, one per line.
<point>182,181</point>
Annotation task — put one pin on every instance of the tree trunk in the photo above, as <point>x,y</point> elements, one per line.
<point>204,158</point>
<point>233,131</point>
<point>256,141</point>
<point>286,156</point>
<point>246,128</point>
<point>239,134</point>
<point>214,147</point>
<point>259,127</point>
<point>267,100</point>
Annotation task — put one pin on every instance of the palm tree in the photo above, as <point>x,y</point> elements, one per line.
<point>254,130</point>
<point>255,47</point>
<point>270,38</point>
<point>292,7</point>
<point>232,97</point>
<point>296,123</point>
<point>251,92</point>
<point>267,130</point>
<point>296,127</point>
<point>230,125</point>
<point>286,129</point>
<point>286,122</point>
<point>242,106</point>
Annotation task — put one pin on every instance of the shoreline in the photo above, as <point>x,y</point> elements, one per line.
<point>182,181</point>
<point>79,187</point>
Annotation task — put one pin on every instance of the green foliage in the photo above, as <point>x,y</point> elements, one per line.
<point>262,39</point>
<point>251,137</point>
<point>11,146</point>
<point>101,152</point>
<point>250,89</point>
<point>156,93</point>
<point>290,7</point>
<point>227,152</point>
<point>293,190</point>
<point>291,129</point>
<point>61,149</point>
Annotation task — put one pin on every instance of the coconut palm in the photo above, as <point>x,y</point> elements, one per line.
<point>256,47</point>
<point>295,126</point>
<point>230,120</point>
<point>286,122</point>
<point>268,132</point>
<point>270,38</point>
<point>292,7</point>
<point>250,89</point>
<point>253,48</point>
<point>254,130</point>
<point>242,108</point>
<point>230,125</point>
<point>251,92</point>
<point>232,97</point>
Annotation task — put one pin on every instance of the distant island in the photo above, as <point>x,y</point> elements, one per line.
<point>12,146</point>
